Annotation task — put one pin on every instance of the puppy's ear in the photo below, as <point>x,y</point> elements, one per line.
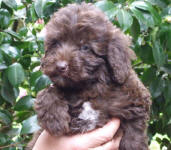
<point>119,55</point>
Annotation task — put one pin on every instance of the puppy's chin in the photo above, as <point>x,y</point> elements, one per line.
<point>67,83</point>
<point>61,81</point>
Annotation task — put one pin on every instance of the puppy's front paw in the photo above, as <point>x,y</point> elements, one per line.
<point>52,113</point>
<point>55,121</point>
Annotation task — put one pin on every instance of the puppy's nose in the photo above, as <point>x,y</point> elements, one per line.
<point>62,66</point>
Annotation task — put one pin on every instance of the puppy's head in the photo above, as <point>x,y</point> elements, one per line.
<point>80,42</point>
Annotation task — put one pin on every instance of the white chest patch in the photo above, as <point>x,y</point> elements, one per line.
<point>89,114</point>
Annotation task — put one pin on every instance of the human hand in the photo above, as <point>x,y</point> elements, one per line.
<point>99,139</point>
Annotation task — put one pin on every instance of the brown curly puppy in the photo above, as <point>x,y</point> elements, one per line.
<point>88,60</point>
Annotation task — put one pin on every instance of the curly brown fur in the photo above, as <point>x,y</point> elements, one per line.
<point>89,61</point>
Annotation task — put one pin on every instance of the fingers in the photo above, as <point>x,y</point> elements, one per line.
<point>98,136</point>
<point>111,145</point>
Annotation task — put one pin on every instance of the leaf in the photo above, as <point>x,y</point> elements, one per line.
<point>5,38</point>
<point>125,19</point>
<point>3,139</point>
<point>167,92</point>
<point>11,3</point>
<point>42,82</point>
<point>158,54</point>
<point>1,100</point>
<point>145,53</point>
<point>148,75</point>
<point>11,51</point>
<point>49,8</point>
<point>5,117</point>
<point>147,7</point>
<point>5,18</point>
<point>8,92</point>
<point>108,8</point>
<point>139,15</point>
<point>33,13</point>
<point>23,31</point>
<point>30,125</point>
<point>135,29</point>
<point>157,87</point>
<point>3,66</point>
<point>165,36</point>
<point>25,61</point>
<point>15,74</point>
<point>39,6</point>
<point>104,5</point>
<point>0,3</point>
<point>13,34</point>
<point>22,115</point>
<point>159,3</point>
<point>34,76</point>
<point>166,68</point>
<point>25,103</point>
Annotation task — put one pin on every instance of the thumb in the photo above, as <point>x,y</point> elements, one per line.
<point>98,136</point>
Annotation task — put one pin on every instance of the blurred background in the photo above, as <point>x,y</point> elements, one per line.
<point>21,47</point>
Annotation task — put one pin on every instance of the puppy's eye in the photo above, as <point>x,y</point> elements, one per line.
<point>85,47</point>
<point>55,43</point>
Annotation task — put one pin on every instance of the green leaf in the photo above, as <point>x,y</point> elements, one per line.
<point>22,115</point>
<point>15,74</point>
<point>0,3</point>
<point>10,3</point>
<point>9,50</point>
<point>3,66</point>
<point>165,36</point>
<point>25,103</point>
<point>8,92</point>
<point>23,31</point>
<point>5,18</point>
<point>125,19</point>
<point>34,77</point>
<point>3,139</point>
<point>1,100</point>
<point>49,8</point>
<point>33,13</point>
<point>135,29</point>
<point>5,38</point>
<point>42,82</point>
<point>5,117</point>
<point>39,6</point>
<point>139,15</point>
<point>166,68</point>
<point>30,125</point>
<point>159,3</point>
<point>104,5</point>
<point>25,61</point>
<point>148,75</point>
<point>167,92</point>
<point>158,54</point>
<point>157,87</point>
<point>145,53</point>
<point>13,34</point>
<point>141,5</point>
<point>108,8</point>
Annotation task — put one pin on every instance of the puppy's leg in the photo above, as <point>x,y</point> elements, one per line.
<point>134,137</point>
<point>52,112</point>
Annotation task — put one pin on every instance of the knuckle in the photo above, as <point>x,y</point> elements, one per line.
<point>109,137</point>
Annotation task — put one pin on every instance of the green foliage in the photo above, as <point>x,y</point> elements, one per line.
<point>21,47</point>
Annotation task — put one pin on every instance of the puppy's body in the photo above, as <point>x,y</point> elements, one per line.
<point>88,60</point>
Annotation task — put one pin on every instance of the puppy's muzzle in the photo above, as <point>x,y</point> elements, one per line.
<point>62,66</point>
